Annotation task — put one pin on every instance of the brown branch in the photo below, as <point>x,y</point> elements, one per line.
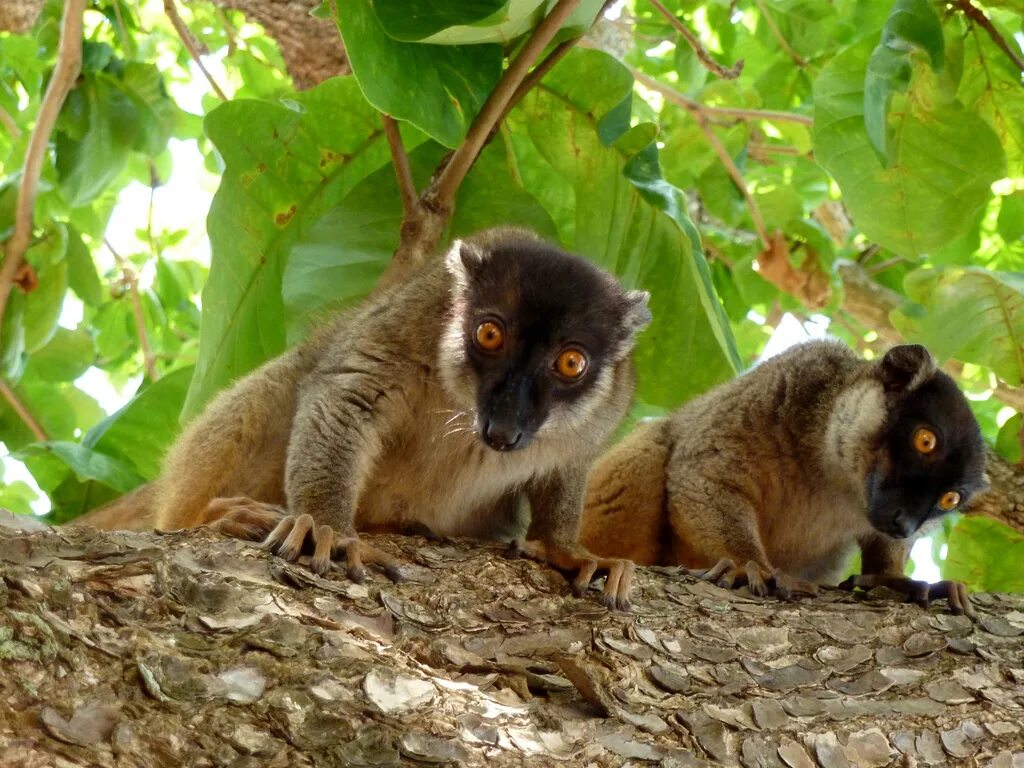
<point>978,17</point>
<point>442,196</point>
<point>190,44</point>
<point>9,125</point>
<point>739,113</point>
<point>702,53</point>
<point>69,64</point>
<point>783,43</point>
<point>131,280</point>
<point>406,185</point>
<point>23,413</point>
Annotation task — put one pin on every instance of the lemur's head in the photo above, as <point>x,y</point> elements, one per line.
<point>534,336</point>
<point>928,457</point>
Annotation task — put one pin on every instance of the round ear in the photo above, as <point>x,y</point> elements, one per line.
<point>638,314</point>
<point>906,367</point>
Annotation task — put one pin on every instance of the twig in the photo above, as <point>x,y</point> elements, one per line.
<point>190,44</point>
<point>463,158</point>
<point>23,413</point>
<point>705,58</point>
<point>783,43</point>
<point>126,41</point>
<point>978,17</point>
<point>739,113</point>
<point>69,64</point>
<point>229,29</point>
<point>131,279</point>
<point>406,185</point>
<point>9,124</point>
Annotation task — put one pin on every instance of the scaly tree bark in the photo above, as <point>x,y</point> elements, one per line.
<point>136,649</point>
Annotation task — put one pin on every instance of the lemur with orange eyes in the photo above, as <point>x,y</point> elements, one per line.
<point>775,478</point>
<point>496,371</point>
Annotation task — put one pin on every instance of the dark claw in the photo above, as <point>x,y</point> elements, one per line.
<point>578,590</point>
<point>394,573</point>
<point>514,551</point>
<point>358,575</point>
<point>609,602</point>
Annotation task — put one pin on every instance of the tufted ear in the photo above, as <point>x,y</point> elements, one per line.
<point>462,260</point>
<point>906,367</point>
<point>638,314</point>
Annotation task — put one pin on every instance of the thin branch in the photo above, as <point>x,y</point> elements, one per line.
<point>738,113</point>
<point>462,159</point>
<point>23,413</point>
<point>783,43</point>
<point>978,17</point>
<point>131,279</point>
<point>69,64</point>
<point>9,124</point>
<point>229,29</point>
<point>702,53</point>
<point>126,41</point>
<point>190,44</point>
<point>406,185</point>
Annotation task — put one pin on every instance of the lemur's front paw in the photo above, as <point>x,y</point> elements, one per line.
<point>299,534</point>
<point>587,566</point>
<point>915,591</point>
<point>760,580</point>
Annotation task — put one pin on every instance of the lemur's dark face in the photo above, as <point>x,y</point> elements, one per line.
<point>538,333</point>
<point>930,458</point>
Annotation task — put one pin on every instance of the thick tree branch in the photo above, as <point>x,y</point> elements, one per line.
<point>69,64</point>
<point>406,185</point>
<point>976,15</point>
<point>23,413</point>
<point>702,53</point>
<point>190,44</point>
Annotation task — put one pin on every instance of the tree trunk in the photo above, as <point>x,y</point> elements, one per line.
<point>190,649</point>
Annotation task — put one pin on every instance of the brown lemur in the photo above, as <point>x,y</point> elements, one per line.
<point>495,373</point>
<point>774,478</point>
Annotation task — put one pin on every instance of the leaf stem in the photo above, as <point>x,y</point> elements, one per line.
<point>65,72</point>
<point>23,413</point>
<point>702,53</point>
<point>131,279</point>
<point>9,125</point>
<point>406,185</point>
<point>783,43</point>
<point>976,15</point>
<point>190,44</point>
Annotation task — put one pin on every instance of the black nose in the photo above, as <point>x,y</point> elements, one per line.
<point>901,526</point>
<point>502,437</point>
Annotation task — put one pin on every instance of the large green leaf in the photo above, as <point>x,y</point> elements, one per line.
<point>412,20</point>
<point>986,555</point>
<point>283,168</point>
<point>140,432</point>
<point>628,219</point>
<point>912,28</point>
<point>974,315</point>
<point>66,357</point>
<point>437,88</point>
<point>88,464</point>
<point>944,159</point>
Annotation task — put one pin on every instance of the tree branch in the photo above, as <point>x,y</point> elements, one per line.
<point>9,125</point>
<point>738,113</point>
<point>131,280</point>
<point>23,413</point>
<point>69,64</point>
<point>978,17</point>
<point>702,53</point>
<point>406,185</point>
<point>783,43</point>
<point>442,196</point>
<point>190,44</point>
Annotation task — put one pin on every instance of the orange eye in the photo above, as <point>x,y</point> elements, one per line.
<point>489,336</point>
<point>571,363</point>
<point>925,440</point>
<point>949,501</point>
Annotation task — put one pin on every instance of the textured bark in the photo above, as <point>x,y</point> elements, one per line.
<point>18,16</point>
<point>311,47</point>
<point>190,649</point>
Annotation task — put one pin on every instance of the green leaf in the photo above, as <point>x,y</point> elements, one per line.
<point>139,433</point>
<point>83,278</point>
<point>1008,443</point>
<point>912,28</point>
<point>628,219</point>
<point>88,464</point>
<point>985,554</point>
<point>18,497</point>
<point>437,88</point>
<point>1011,217</point>
<point>283,169</point>
<point>66,357</point>
<point>43,305</point>
<point>974,315</point>
<point>412,20</point>
<point>944,160</point>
